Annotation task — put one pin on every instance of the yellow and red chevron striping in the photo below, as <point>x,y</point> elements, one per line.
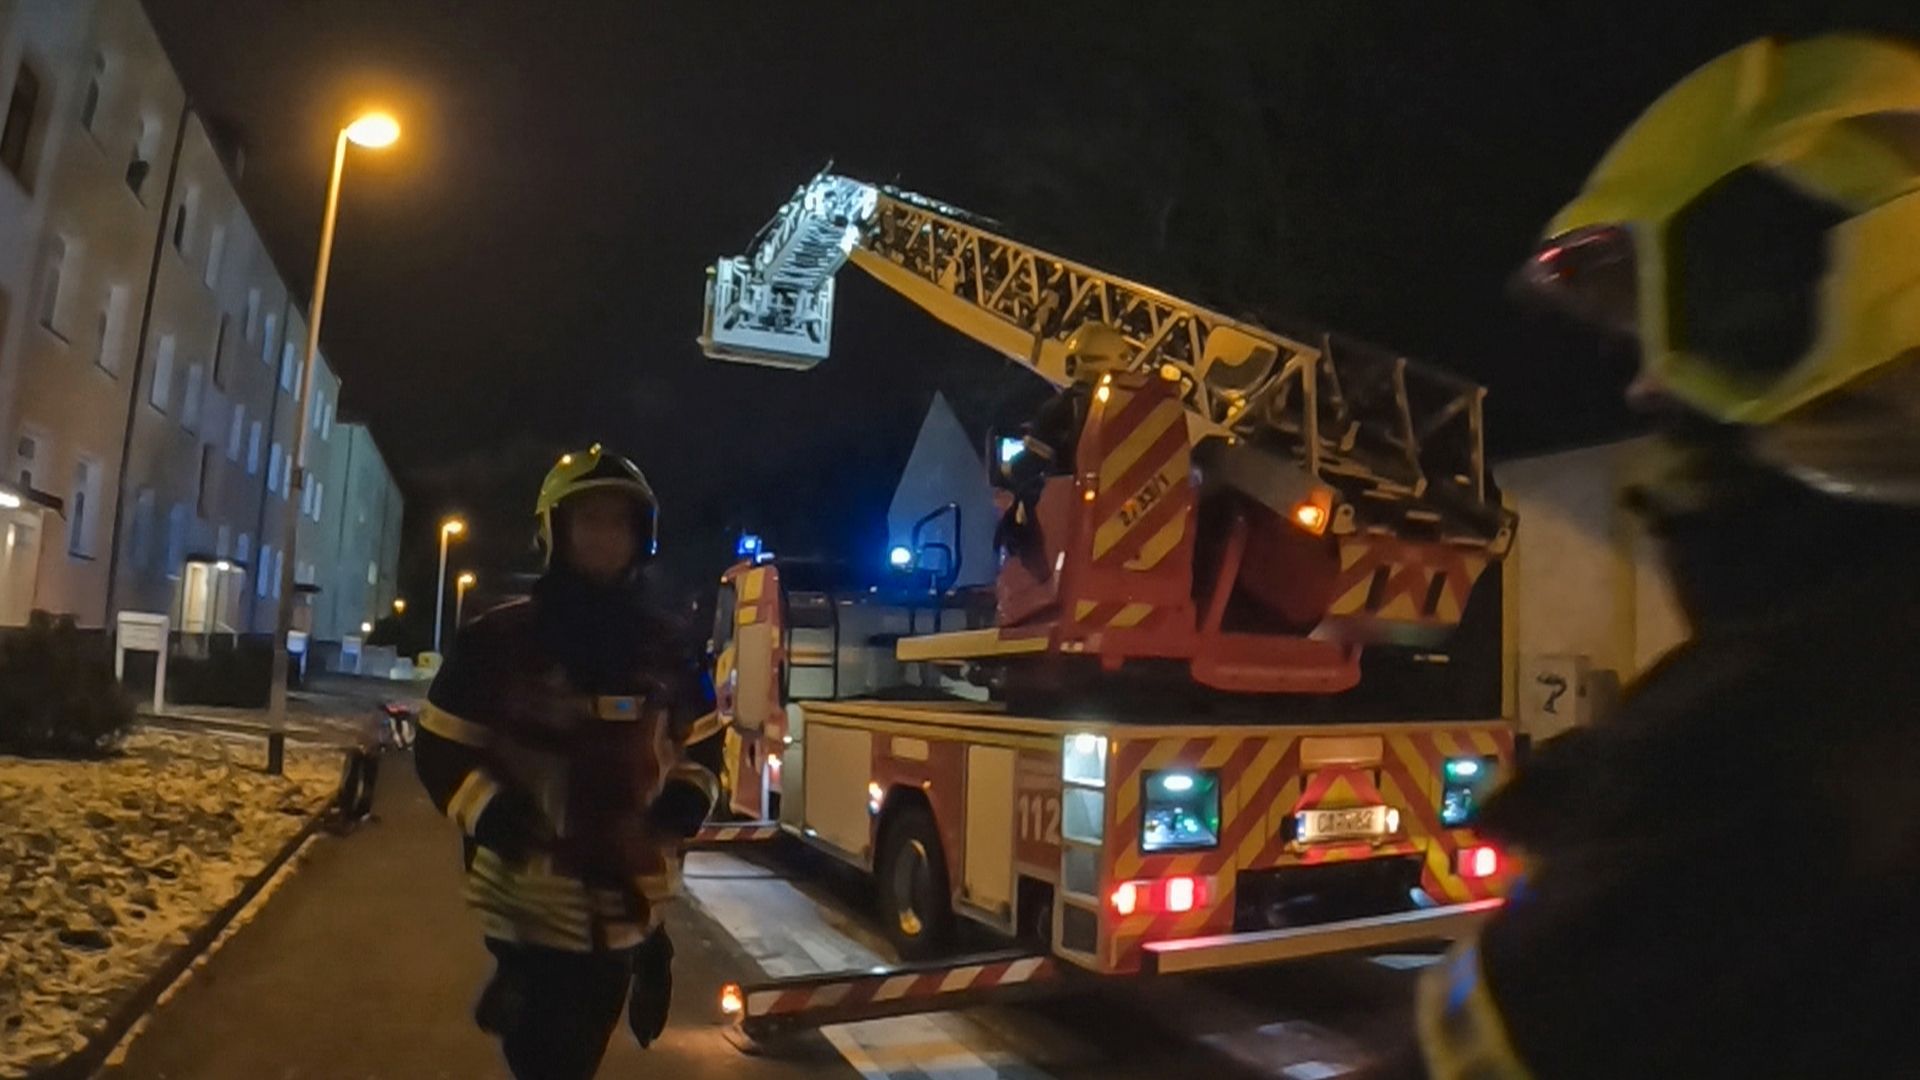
<point>1261,770</point>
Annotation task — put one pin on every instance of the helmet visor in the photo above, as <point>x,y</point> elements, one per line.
<point>1591,274</point>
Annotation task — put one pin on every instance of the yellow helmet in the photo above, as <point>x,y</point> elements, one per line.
<point>1755,228</point>
<point>593,469</point>
<point>1096,349</point>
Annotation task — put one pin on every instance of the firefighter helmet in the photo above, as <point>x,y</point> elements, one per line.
<point>593,469</point>
<point>1096,349</point>
<point>1754,229</point>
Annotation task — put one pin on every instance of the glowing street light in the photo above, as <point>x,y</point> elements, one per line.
<point>375,131</point>
<point>372,130</point>
<point>460,586</point>
<point>449,529</point>
<point>399,606</point>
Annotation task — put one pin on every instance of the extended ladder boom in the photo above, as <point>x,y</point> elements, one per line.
<point>1402,440</point>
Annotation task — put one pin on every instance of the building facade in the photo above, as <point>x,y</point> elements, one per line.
<point>149,357</point>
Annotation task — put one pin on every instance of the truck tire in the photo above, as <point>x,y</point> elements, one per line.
<point>916,903</point>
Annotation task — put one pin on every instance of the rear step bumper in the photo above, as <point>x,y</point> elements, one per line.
<point>809,1001</point>
<point>1295,943</point>
<point>723,834</point>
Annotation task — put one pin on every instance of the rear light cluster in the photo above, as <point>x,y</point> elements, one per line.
<point>1165,896</point>
<point>1478,862</point>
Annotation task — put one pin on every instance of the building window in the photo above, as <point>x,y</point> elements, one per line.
<point>326,424</point>
<point>216,254</point>
<point>204,500</point>
<point>96,86</point>
<point>161,392</point>
<point>288,365</point>
<point>27,455</point>
<point>273,469</point>
<point>52,271</point>
<point>286,476</point>
<point>236,430</point>
<point>143,529</point>
<point>190,408</point>
<point>223,541</point>
<point>279,568</point>
<point>253,314</point>
<point>253,450</point>
<point>266,571</point>
<point>220,352</point>
<point>267,344</point>
<point>113,317</point>
<point>183,216</point>
<point>17,134</point>
<point>141,165</point>
<point>319,408</point>
<point>319,494</point>
<point>176,538</point>
<point>83,509</point>
<point>243,548</point>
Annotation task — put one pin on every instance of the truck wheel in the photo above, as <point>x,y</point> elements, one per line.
<point>915,901</point>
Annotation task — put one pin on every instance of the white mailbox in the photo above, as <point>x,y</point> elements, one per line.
<point>143,631</point>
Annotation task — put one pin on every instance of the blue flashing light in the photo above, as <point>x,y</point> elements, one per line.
<point>901,557</point>
<point>1011,446</point>
<point>747,546</point>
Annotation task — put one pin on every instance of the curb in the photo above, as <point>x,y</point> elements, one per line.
<point>89,1059</point>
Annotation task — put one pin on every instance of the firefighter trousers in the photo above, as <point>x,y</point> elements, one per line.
<point>554,1010</point>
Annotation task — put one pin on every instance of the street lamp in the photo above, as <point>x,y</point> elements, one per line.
<point>373,130</point>
<point>399,606</point>
<point>449,529</point>
<point>460,586</point>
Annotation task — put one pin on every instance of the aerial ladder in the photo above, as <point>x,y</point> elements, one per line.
<point>1256,507</point>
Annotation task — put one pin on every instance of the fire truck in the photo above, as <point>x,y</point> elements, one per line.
<point>1139,751</point>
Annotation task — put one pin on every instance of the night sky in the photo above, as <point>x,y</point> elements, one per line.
<point>523,273</point>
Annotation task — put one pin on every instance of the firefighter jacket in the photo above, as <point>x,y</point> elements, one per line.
<point>1723,879</point>
<point>552,737</point>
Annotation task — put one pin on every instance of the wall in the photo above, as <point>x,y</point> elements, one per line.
<point>1587,579</point>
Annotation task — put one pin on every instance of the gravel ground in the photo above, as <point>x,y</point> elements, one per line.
<point>108,866</point>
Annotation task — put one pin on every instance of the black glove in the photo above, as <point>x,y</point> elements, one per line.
<point>652,990</point>
<point>682,805</point>
<point>509,826</point>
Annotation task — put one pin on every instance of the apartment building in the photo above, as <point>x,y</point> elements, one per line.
<point>149,359</point>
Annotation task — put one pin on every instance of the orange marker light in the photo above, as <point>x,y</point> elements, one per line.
<point>732,1003</point>
<point>1126,898</point>
<point>1310,517</point>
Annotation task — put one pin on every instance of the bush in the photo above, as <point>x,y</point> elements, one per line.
<point>58,695</point>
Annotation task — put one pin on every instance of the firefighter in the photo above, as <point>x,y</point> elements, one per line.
<point>553,738</point>
<point>1723,877</point>
<point>1048,440</point>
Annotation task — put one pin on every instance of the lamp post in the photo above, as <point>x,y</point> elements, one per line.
<point>374,130</point>
<point>449,529</point>
<point>460,586</point>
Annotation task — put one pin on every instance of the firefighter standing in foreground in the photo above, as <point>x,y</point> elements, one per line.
<point>1724,877</point>
<point>553,738</point>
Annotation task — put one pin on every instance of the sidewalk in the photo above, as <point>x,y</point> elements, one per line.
<point>366,964</point>
<point>110,867</point>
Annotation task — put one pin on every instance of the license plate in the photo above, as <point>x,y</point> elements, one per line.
<point>1356,821</point>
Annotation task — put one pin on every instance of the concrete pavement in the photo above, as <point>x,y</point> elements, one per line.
<point>365,964</point>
